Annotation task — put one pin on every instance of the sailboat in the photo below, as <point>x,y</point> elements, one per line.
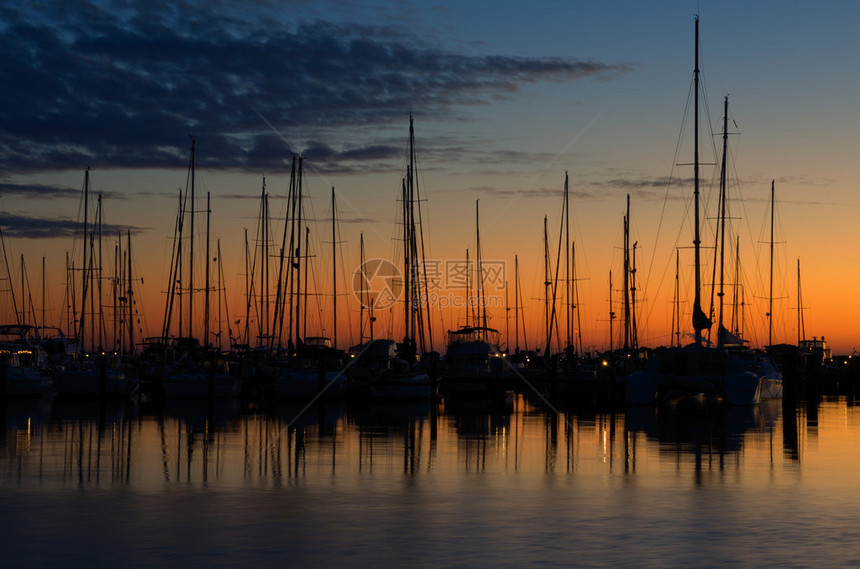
<point>86,373</point>
<point>474,364</point>
<point>728,371</point>
<point>180,365</point>
<point>389,370</point>
<point>307,365</point>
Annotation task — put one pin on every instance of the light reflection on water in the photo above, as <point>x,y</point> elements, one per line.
<point>508,484</point>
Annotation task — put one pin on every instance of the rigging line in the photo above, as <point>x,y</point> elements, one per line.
<point>669,184</point>
<point>342,198</point>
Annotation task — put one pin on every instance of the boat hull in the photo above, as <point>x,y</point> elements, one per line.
<point>197,386</point>
<point>308,383</point>
<point>91,383</point>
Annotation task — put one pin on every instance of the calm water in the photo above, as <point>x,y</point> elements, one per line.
<point>509,485</point>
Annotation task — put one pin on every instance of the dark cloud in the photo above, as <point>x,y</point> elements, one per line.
<point>117,84</point>
<point>26,227</point>
<point>45,191</point>
<point>38,190</point>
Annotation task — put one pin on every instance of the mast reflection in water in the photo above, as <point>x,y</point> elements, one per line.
<point>509,483</point>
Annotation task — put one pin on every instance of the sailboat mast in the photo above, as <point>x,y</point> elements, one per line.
<point>130,297</point>
<point>99,281</point>
<point>676,305</point>
<point>611,313</point>
<point>206,279</point>
<point>547,283</point>
<point>247,291</point>
<point>23,294</point>
<point>191,250</point>
<point>737,289</point>
<point>334,267</point>
<point>575,298</point>
<point>407,272</point>
<point>8,278</point>
<point>799,306</point>
<point>422,300</point>
<point>470,317</point>
<point>298,250</point>
<point>516,304</point>
<point>265,279</point>
<point>43,290</point>
<point>81,324</point>
<point>262,243</point>
<point>770,289</point>
<point>307,272</point>
<point>567,274</point>
<point>362,292</point>
<point>480,289</point>
<point>117,286</point>
<point>700,320</point>
<point>627,276</point>
<point>723,185</point>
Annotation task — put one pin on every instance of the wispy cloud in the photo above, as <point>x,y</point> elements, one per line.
<point>26,227</point>
<point>116,84</point>
<point>46,191</point>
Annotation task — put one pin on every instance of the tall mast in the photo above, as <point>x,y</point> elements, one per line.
<point>480,288</point>
<point>470,316</point>
<point>334,266</point>
<point>191,252</point>
<point>280,291</point>
<point>130,298</point>
<point>264,284</point>
<point>801,331</point>
<point>575,298</point>
<point>206,279</point>
<point>676,305</point>
<point>722,226</point>
<point>362,291</point>
<point>567,274</point>
<point>263,236</point>
<point>547,283</point>
<point>117,283</point>
<point>737,288</point>
<point>507,320</point>
<point>43,289</point>
<point>634,332</point>
<point>611,313</point>
<point>24,294</point>
<point>297,205</point>
<point>422,309</point>
<point>627,276</point>
<point>407,265</point>
<point>770,290</point>
<point>99,281</point>
<point>700,319</point>
<point>8,278</point>
<point>516,304</point>
<point>247,292</point>
<point>305,302</point>
<point>81,324</point>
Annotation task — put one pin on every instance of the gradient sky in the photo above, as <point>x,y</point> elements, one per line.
<point>506,98</point>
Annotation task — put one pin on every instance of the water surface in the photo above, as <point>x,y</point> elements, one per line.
<point>507,485</point>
